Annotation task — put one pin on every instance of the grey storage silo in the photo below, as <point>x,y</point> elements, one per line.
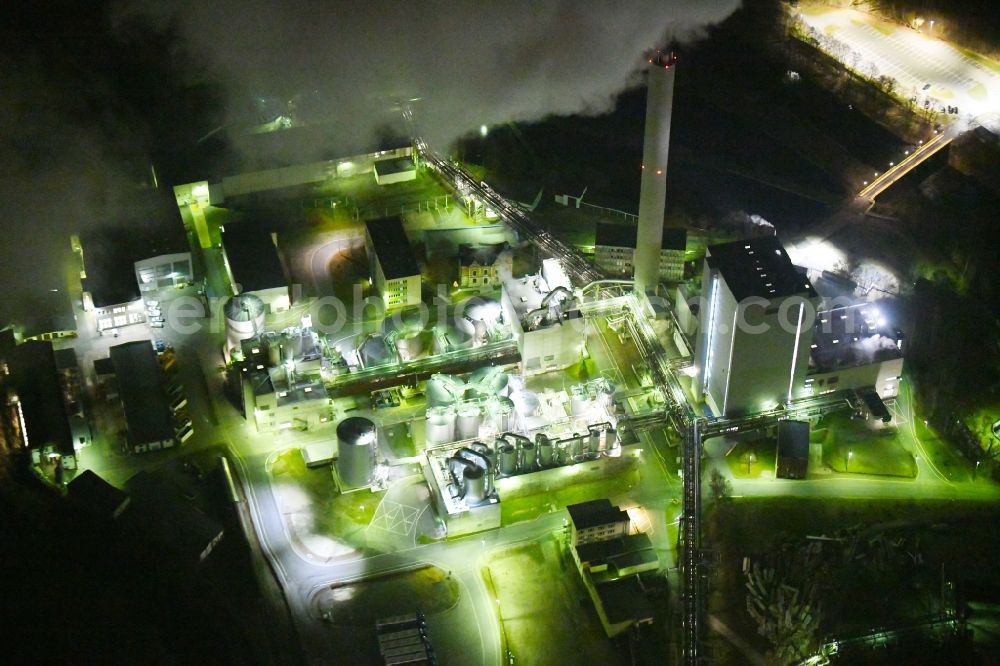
<point>356,451</point>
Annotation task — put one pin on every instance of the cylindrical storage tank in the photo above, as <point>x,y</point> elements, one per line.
<point>498,410</point>
<point>490,379</point>
<point>355,451</point>
<point>470,417</point>
<point>441,389</point>
<point>459,333</point>
<point>290,347</point>
<point>508,459</point>
<point>244,318</point>
<point>440,426</point>
<point>610,439</point>
<point>410,345</point>
<point>525,402</point>
<point>571,449</point>
<point>374,351</point>
<point>546,452</point>
<point>273,352</point>
<point>592,442</point>
<point>580,403</point>
<point>527,458</point>
<point>474,480</point>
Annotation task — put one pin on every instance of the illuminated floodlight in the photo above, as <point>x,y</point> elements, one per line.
<point>483,130</point>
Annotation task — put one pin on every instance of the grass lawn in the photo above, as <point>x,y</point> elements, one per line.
<point>943,454</point>
<point>428,589</point>
<point>333,514</point>
<point>529,496</point>
<point>750,527</point>
<point>547,616</point>
<point>756,456</point>
<point>879,451</point>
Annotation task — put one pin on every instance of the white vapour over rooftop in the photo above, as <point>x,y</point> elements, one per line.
<point>472,63</point>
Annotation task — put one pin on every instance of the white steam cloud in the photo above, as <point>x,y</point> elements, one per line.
<point>471,63</point>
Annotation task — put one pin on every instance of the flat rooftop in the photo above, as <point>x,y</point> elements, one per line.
<point>253,257</point>
<point>526,293</point>
<point>392,247</point>
<point>145,226</point>
<point>392,165</point>
<point>758,267</point>
<point>33,368</point>
<point>793,439</point>
<point>140,386</point>
<point>850,336</point>
<point>594,513</point>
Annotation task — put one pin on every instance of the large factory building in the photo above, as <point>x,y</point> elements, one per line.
<point>756,327</point>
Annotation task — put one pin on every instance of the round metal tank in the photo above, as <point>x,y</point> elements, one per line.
<point>498,411</point>
<point>508,459</point>
<point>571,450</point>
<point>527,457</point>
<point>459,333</point>
<point>580,403</point>
<point>546,452</point>
<point>442,389</point>
<point>474,480</point>
<point>244,315</point>
<point>470,417</point>
<point>356,451</point>
<point>440,426</point>
<point>526,403</point>
<point>591,442</point>
<point>490,379</point>
<point>273,352</point>
<point>410,345</point>
<point>374,351</point>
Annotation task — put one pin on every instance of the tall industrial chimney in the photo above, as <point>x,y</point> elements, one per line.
<point>655,147</point>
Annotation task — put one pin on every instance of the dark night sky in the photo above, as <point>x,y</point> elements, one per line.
<point>95,92</point>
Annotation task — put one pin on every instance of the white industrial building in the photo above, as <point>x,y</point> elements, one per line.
<point>541,309</point>
<point>163,271</point>
<point>854,348</point>
<point>281,381</point>
<point>756,327</point>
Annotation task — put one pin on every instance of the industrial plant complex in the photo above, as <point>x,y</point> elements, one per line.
<point>436,420</point>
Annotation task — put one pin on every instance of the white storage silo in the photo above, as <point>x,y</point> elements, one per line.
<point>470,417</point>
<point>440,426</point>
<point>244,318</point>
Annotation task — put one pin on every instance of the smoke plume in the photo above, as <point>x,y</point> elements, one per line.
<point>469,63</point>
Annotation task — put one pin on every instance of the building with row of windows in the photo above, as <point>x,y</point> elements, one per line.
<point>614,251</point>
<point>479,265</point>
<point>393,269</point>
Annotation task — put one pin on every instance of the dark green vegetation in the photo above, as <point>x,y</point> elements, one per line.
<point>80,591</point>
<point>744,138</point>
<point>884,569</point>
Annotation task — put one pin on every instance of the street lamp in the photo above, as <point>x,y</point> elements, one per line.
<point>850,454</point>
